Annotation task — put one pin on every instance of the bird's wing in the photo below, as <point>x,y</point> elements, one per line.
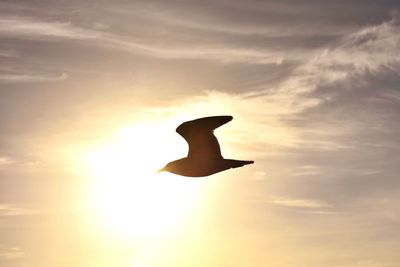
<point>199,134</point>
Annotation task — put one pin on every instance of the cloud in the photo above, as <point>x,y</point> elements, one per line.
<point>7,210</point>
<point>291,105</point>
<point>8,53</point>
<point>274,111</point>
<point>369,50</point>
<point>293,114</point>
<point>6,161</point>
<point>369,263</point>
<point>220,54</point>
<point>24,27</point>
<point>259,175</point>
<point>298,203</point>
<point>11,253</point>
<point>29,27</point>
<point>214,24</point>
<point>204,43</point>
<point>267,126</point>
<point>363,65</point>
<point>30,78</point>
<point>307,170</point>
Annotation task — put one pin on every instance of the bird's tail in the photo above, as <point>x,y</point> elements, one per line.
<point>239,163</point>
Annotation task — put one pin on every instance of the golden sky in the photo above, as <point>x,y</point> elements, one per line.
<point>91,93</point>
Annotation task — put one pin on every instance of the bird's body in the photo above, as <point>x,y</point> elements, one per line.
<point>204,156</point>
<point>199,168</point>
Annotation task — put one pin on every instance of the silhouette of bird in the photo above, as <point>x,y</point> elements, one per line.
<point>204,157</point>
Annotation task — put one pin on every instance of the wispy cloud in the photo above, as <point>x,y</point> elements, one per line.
<point>369,263</point>
<point>223,54</point>
<point>299,203</point>
<point>8,53</point>
<point>259,175</point>
<point>6,161</point>
<point>271,108</point>
<point>186,21</point>
<point>29,78</point>
<point>7,210</point>
<point>34,28</point>
<point>345,64</point>
<point>29,27</point>
<point>307,170</point>
<point>11,253</point>
<point>368,50</point>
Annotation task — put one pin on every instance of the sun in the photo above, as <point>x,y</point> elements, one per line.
<point>128,195</point>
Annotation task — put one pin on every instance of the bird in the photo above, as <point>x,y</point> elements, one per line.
<point>204,157</point>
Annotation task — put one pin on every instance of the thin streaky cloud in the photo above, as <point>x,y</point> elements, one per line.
<point>7,210</point>
<point>24,26</point>
<point>369,263</point>
<point>177,20</point>
<point>8,53</point>
<point>220,54</point>
<point>320,212</point>
<point>6,161</point>
<point>307,170</point>
<point>33,28</point>
<point>11,253</point>
<point>28,78</point>
<point>298,203</point>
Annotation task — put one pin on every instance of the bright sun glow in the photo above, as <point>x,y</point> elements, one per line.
<point>127,192</point>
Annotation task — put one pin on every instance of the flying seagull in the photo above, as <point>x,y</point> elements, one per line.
<point>204,157</point>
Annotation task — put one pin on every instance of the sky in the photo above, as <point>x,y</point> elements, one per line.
<point>91,93</point>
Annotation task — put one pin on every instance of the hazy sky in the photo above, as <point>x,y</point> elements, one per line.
<point>91,91</point>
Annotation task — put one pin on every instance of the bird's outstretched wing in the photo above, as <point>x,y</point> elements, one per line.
<point>199,134</point>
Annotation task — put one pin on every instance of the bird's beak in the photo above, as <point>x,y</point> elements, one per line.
<point>161,170</point>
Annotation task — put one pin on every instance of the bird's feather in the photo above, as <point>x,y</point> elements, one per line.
<point>199,134</point>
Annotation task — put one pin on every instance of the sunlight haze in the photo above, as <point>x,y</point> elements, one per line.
<point>91,93</point>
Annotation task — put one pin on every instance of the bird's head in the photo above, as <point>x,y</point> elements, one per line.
<point>175,166</point>
<point>167,168</point>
